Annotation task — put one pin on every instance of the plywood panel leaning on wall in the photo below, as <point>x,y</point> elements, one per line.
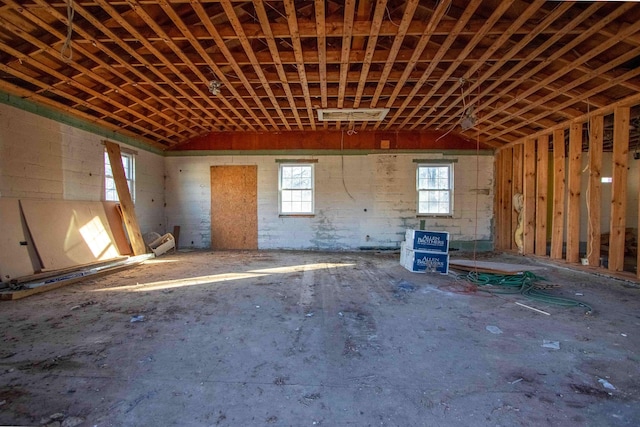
<point>14,252</point>
<point>69,233</point>
<point>128,209</point>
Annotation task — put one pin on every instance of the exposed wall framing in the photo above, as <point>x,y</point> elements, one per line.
<point>552,169</point>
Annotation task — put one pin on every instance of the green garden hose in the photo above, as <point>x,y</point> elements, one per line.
<point>524,284</point>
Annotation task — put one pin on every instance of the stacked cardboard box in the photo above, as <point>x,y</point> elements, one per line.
<point>425,251</point>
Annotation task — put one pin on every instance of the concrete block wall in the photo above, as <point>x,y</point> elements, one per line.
<point>43,159</point>
<point>361,201</point>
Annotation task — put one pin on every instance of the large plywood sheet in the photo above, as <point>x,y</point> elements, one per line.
<point>69,233</point>
<point>14,254</point>
<point>234,207</point>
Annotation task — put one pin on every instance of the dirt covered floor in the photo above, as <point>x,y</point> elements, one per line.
<point>309,339</point>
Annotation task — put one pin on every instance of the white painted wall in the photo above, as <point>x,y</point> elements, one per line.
<point>372,207</point>
<point>43,159</point>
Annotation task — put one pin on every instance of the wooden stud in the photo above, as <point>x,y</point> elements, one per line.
<point>529,191</point>
<point>507,196</point>
<point>124,196</point>
<point>557,224</point>
<point>619,188</point>
<point>594,197</point>
<point>516,183</point>
<point>573,190</point>
<point>542,201</point>
<point>497,200</point>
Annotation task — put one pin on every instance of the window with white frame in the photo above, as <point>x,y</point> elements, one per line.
<point>110,193</point>
<point>435,189</point>
<point>296,189</point>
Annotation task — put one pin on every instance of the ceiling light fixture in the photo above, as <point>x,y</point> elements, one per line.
<point>214,87</point>
<point>352,114</point>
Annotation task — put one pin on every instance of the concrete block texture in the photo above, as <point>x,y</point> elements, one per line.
<point>43,159</point>
<point>361,202</point>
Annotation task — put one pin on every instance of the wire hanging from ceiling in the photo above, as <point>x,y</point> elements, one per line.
<point>66,52</point>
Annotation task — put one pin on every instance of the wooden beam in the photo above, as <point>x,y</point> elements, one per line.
<point>626,102</point>
<point>517,184</point>
<point>529,191</point>
<point>435,18</point>
<point>378,15</point>
<point>594,189</point>
<point>619,188</point>
<point>409,10</point>
<point>507,197</point>
<point>273,49</point>
<point>501,40</point>
<point>322,49</point>
<point>164,79</point>
<point>598,49</point>
<point>482,98</point>
<point>557,225</point>
<point>124,196</point>
<point>498,159</point>
<point>573,186</point>
<point>542,201</point>
<point>246,45</point>
<point>204,80</point>
<point>292,20</point>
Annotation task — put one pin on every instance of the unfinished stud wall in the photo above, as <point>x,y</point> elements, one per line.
<point>43,159</point>
<point>372,208</point>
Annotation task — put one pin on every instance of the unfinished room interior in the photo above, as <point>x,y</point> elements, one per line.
<point>305,213</point>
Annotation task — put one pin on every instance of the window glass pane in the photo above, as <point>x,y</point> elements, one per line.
<point>296,189</point>
<point>434,189</point>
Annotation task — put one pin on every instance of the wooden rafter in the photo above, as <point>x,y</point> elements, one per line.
<point>151,22</point>
<point>266,28</point>
<point>297,48</point>
<point>244,41</point>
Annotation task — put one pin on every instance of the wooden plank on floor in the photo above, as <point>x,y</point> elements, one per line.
<point>557,225</point>
<point>529,191</point>
<point>124,196</point>
<point>491,267</point>
<point>619,188</point>
<point>542,201</point>
<point>574,176</point>
<point>594,199</point>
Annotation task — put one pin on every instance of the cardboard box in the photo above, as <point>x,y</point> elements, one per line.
<point>423,261</point>
<point>432,241</point>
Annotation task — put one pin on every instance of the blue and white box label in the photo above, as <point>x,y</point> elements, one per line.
<point>434,241</point>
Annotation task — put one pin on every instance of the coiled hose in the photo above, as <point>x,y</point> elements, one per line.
<point>524,284</point>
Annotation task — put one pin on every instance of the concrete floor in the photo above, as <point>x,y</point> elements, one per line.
<point>304,339</point>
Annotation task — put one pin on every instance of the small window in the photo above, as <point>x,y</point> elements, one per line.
<point>110,193</point>
<point>435,189</point>
<point>296,189</point>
